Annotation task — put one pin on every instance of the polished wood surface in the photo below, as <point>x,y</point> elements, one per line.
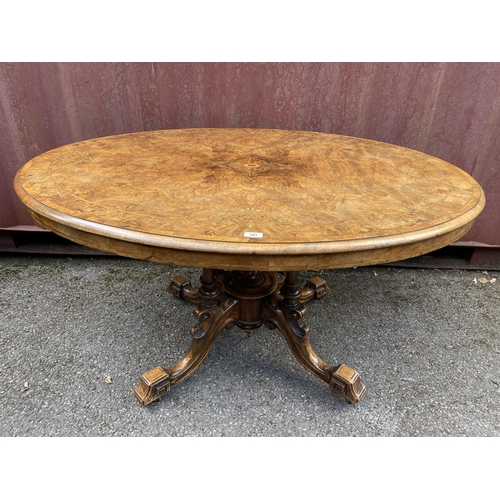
<point>250,199</point>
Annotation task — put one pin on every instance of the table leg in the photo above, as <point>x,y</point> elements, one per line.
<point>214,313</point>
<point>286,315</point>
<point>315,288</point>
<point>182,288</point>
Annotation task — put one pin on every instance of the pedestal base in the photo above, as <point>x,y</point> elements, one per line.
<point>249,299</point>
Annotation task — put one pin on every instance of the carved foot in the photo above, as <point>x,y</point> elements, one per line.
<point>181,288</point>
<point>346,383</point>
<point>153,385</point>
<point>315,288</point>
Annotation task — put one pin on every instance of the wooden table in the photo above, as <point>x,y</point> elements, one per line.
<point>251,207</point>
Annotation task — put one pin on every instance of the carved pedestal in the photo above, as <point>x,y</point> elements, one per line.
<point>249,299</point>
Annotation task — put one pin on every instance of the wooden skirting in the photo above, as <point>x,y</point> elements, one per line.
<point>44,242</point>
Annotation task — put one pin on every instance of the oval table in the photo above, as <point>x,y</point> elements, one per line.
<point>251,207</point>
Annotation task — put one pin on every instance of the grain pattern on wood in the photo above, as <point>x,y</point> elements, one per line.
<point>250,198</point>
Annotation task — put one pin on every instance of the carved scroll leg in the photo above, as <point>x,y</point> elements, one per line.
<point>157,382</point>
<point>315,288</point>
<point>286,316</point>
<point>182,288</point>
<point>214,314</point>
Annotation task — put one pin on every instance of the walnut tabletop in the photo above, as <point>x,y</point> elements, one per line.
<point>250,199</point>
<point>252,207</point>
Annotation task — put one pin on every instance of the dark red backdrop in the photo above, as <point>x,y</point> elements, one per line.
<point>449,110</point>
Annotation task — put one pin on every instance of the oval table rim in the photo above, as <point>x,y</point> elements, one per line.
<point>252,247</point>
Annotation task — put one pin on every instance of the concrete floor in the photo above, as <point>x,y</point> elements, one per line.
<point>77,333</point>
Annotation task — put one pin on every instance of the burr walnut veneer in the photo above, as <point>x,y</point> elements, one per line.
<point>251,207</point>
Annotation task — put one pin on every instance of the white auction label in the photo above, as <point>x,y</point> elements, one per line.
<point>252,235</point>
